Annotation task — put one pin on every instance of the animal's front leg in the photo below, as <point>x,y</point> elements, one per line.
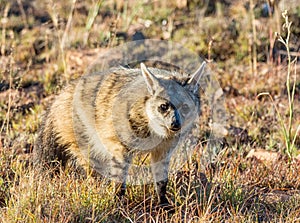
<point>121,189</point>
<point>160,167</point>
<point>119,172</point>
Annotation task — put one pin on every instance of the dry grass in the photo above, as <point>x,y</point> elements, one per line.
<point>58,41</point>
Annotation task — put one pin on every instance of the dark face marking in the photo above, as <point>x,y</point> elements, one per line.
<point>168,110</point>
<point>163,108</point>
<point>176,121</point>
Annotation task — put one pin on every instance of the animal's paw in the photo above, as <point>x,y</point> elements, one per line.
<point>164,205</point>
<point>120,190</point>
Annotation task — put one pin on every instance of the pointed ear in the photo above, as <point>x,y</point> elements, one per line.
<point>195,78</point>
<point>150,79</point>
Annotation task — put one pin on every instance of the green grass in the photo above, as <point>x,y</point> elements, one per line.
<point>289,134</point>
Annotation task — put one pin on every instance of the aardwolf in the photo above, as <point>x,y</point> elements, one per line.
<point>102,121</point>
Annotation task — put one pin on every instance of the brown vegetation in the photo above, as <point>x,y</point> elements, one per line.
<point>45,44</point>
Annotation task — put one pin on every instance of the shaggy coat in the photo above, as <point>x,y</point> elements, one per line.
<point>102,120</point>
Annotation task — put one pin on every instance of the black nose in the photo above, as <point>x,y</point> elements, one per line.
<point>175,126</point>
<point>176,123</point>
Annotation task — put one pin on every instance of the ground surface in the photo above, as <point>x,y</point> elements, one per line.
<point>45,44</point>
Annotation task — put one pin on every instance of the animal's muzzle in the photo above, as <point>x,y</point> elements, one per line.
<point>176,122</point>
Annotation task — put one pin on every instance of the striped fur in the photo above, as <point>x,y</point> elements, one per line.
<point>103,120</point>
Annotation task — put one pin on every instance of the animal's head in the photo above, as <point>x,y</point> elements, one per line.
<point>172,106</point>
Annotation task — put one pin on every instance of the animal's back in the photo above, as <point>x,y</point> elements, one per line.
<point>82,120</point>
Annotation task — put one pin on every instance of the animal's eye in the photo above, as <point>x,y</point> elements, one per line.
<point>185,109</point>
<point>164,107</point>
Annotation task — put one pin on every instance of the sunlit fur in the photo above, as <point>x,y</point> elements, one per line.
<point>102,120</point>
